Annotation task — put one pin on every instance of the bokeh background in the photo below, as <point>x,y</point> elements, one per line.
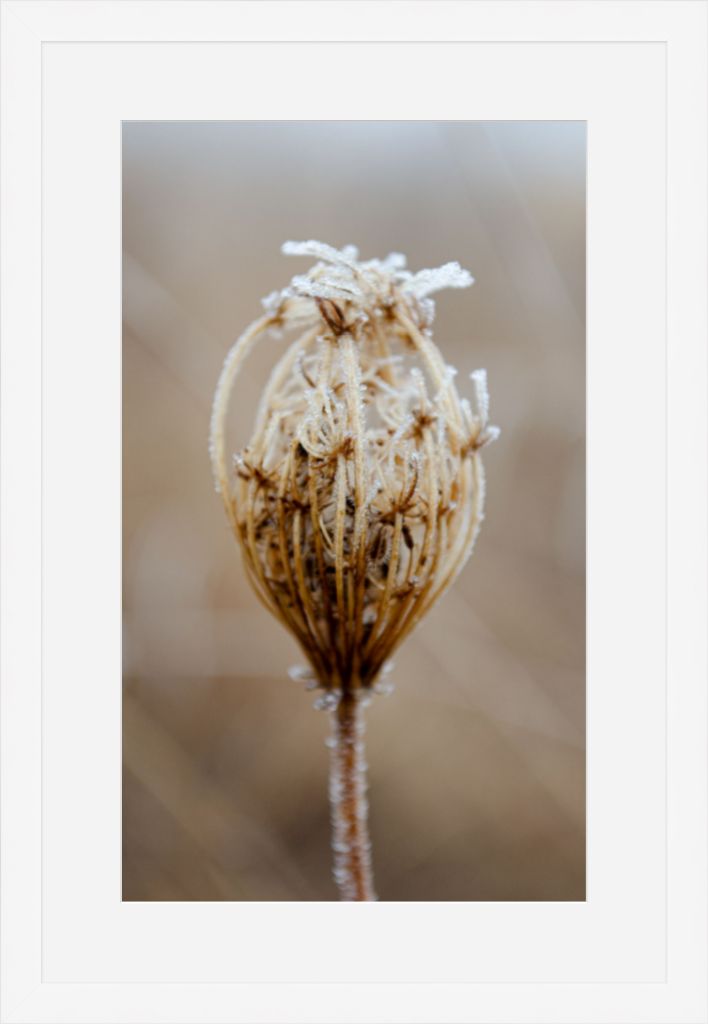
<point>477,761</point>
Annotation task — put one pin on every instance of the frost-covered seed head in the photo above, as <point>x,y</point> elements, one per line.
<point>359,496</point>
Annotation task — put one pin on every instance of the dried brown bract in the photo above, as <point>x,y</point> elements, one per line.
<point>359,496</point>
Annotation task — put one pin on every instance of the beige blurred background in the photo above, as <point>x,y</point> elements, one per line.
<point>477,761</point>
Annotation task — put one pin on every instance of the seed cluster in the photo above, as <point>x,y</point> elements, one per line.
<point>359,495</point>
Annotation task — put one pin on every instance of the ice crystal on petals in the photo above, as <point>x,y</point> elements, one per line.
<point>481,393</point>
<point>384,687</point>
<point>425,282</point>
<point>321,251</point>
<point>271,303</point>
<point>303,674</point>
<point>327,701</point>
<point>427,309</point>
<point>489,434</point>
<point>369,288</point>
<point>394,261</point>
<point>324,288</point>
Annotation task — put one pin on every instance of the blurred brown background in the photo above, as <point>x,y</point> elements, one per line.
<point>477,761</point>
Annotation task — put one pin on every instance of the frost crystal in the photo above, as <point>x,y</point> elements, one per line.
<point>272,302</point>
<point>384,688</point>
<point>300,673</point>
<point>322,251</point>
<point>327,701</point>
<point>481,393</point>
<point>368,286</point>
<point>425,282</point>
<point>482,431</point>
<point>325,288</point>
<point>304,674</point>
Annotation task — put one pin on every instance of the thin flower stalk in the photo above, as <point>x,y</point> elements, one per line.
<point>358,499</point>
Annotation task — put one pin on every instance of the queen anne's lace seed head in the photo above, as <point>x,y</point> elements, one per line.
<point>359,496</point>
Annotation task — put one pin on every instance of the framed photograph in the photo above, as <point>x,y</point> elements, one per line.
<point>358,492</point>
<point>257,424</point>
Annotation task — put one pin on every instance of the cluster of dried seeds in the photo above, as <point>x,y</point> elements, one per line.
<point>359,496</point>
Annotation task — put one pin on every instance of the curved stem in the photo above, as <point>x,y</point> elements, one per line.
<point>349,806</point>
<point>217,447</point>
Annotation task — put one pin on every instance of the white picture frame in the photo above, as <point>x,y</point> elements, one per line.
<point>635,950</point>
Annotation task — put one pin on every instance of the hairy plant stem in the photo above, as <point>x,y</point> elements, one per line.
<point>349,806</point>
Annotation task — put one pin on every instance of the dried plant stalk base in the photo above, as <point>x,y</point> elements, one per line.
<point>347,794</point>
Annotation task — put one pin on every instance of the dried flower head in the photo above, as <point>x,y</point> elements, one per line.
<point>359,496</point>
